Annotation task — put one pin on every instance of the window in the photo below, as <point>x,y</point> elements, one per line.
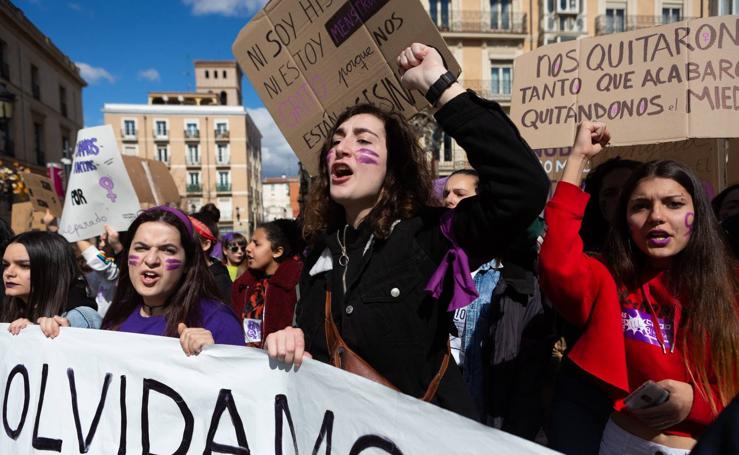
<point>439,11</point>
<point>726,7</point>
<point>163,153</point>
<point>38,142</point>
<point>65,143</point>
<point>500,80</point>
<point>63,100</point>
<point>161,127</point>
<point>567,6</point>
<point>500,14</point>
<point>224,98</point>
<point>615,20</point>
<point>221,128</point>
<point>193,154</point>
<point>671,14</point>
<point>35,86</point>
<point>4,70</point>
<point>193,182</point>
<point>129,128</point>
<point>226,208</point>
<point>224,74</point>
<point>222,154</point>
<point>224,181</point>
<point>447,148</point>
<point>191,128</point>
<point>207,74</point>
<point>215,74</point>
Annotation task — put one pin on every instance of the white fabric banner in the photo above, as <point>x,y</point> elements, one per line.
<point>99,190</point>
<point>101,392</point>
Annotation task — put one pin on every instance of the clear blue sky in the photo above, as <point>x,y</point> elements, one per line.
<point>127,48</point>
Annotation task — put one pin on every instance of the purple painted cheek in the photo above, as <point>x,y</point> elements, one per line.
<point>133,260</point>
<point>172,264</point>
<point>689,219</point>
<point>367,156</point>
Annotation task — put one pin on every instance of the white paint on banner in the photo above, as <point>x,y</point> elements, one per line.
<point>110,392</point>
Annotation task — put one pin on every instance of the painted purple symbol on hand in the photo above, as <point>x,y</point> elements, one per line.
<point>107,183</point>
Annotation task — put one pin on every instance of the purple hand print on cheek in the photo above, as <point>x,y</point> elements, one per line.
<point>172,264</point>
<point>367,156</point>
<point>689,219</point>
<point>133,260</point>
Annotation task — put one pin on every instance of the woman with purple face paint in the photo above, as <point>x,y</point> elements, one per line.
<point>377,240</point>
<point>165,287</point>
<point>660,305</point>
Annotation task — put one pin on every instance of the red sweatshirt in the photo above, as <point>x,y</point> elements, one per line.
<point>628,334</point>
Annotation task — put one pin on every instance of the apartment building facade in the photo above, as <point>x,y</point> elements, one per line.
<point>207,139</point>
<point>43,89</point>
<point>485,37</point>
<point>280,197</point>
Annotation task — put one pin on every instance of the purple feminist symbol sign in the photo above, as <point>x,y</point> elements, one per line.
<point>107,183</point>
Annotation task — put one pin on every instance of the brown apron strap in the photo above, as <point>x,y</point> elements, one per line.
<point>343,357</point>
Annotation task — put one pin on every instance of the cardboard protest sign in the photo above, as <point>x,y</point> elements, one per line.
<point>310,59</point>
<point>99,191</point>
<point>21,217</point>
<point>151,180</point>
<point>103,392</point>
<point>660,84</point>
<point>42,193</point>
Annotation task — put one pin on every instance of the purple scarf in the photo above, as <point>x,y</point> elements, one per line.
<point>464,286</point>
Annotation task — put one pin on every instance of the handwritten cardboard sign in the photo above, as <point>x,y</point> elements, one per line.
<point>310,59</point>
<point>99,190</point>
<point>660,84</point>
<point>706,157</point>
<point>42,193</point>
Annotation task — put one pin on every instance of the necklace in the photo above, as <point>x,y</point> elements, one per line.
<point>343,258</point>
<point>150,308</point>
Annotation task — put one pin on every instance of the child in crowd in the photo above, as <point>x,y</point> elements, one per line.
<point>265,294</point>
<point>44,285</point>
<point>100,269</point>
<point>165,287</point>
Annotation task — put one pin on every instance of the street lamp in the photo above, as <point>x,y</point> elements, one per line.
<point>7,99</point>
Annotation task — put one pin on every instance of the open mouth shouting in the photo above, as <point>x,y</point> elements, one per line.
<point>340,173</point>
<point>149,278</point>
<point>657,238</point>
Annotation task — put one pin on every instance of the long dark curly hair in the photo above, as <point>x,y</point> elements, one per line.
<point>702,274</point>
<point>406,189</point>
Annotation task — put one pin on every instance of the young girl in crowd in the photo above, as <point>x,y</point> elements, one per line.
<point>234,253</point>
<point>44,285</point>
<point>207,231</point>
<point>659,305</point>
<point>376,241</point>
<point>165,287</point>
<point>265,294</point>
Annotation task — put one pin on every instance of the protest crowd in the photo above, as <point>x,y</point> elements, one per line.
<point>600,320</point>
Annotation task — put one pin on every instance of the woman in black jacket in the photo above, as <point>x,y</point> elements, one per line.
<point>377,243</point>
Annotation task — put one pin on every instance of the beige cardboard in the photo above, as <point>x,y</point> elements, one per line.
<point>654,85</point>
<point>157,187</point>
<point>307,63</point>
<point>138,179</point>
<point>21,217</point>
<point>41,194</point>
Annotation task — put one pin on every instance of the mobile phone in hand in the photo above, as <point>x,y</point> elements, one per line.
<point>647,395</point>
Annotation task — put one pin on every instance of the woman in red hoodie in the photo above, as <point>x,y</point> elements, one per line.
<point>264,296</point>
<point>659,305</point>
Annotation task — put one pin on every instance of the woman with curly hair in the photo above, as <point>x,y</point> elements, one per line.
<point>376,241</point>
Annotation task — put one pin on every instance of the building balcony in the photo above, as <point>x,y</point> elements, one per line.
<point>222,135</point>
<point>194,188</point>
<point>563,25</point>
<point>471,21</point>
<point>192,160</point>
<point>161,136</point>
<point>484,88</point>
<point>223,160</point>
<point>223,187</point>
<point>192,135</point>
<point>129,135</point>
<point>605,25</point>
